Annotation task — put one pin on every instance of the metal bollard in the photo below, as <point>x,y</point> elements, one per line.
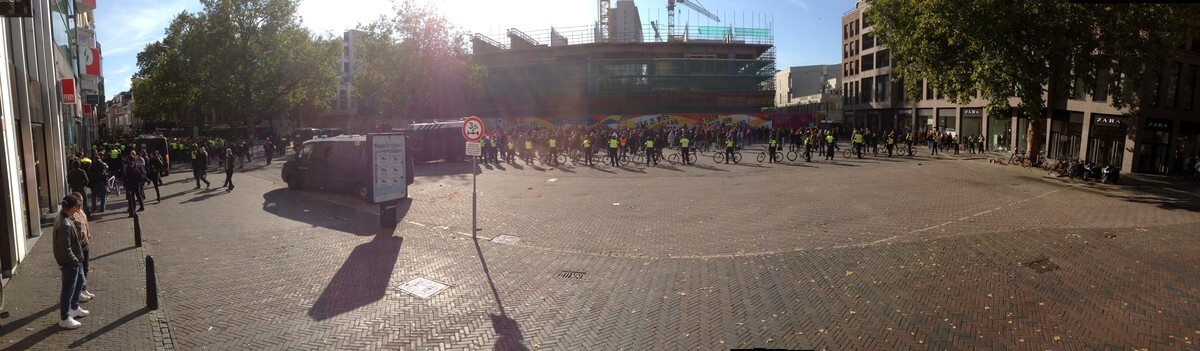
<point>151,284</point>
<point>137,231</point>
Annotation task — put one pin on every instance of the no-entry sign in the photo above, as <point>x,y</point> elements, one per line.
<point>472,129</point>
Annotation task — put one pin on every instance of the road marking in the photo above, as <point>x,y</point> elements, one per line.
<point>991,210</point>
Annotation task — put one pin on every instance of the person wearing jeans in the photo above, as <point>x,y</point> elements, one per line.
<point>68,252</point>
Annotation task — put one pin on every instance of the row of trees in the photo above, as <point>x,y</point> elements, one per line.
<point>1029,49</point>
<point>253,59</point>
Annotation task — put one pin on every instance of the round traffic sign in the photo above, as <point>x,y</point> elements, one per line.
<point>472,129</point>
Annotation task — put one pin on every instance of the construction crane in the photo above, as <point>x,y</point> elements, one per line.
<point>690,4</point>
<point>603,30</point>
<point>657,38</point>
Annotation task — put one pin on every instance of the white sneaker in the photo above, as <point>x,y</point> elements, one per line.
<point>78,312</point>
<point>84,297</point>
<point>88,294</point>
<point>69,323</point>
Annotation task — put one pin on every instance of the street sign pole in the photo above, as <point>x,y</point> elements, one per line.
<point>473,130</point>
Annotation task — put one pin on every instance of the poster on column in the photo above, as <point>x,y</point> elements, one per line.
<point>389,167</point>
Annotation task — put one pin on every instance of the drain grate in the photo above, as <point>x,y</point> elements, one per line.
<point>1042,266</point>
<point>423,288</point>
<point>571,275</point>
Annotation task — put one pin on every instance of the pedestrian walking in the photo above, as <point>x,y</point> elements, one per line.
<point>135,177</point>
<point>269,150</point>
<point>68,253</point>
<point>98,176</point>
<point>200,167</point>
<point>229,169</point>
<point>154,168</point>
<point>77,180</point>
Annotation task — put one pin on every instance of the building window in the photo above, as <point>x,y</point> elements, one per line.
<point>1155,87</point>
<point>1101,92</point>
<point>881,88</point>
<point>845,31</point>
<point>868,41</point>
<point>867,89</point>
<point>868,62</point>
<point>845,50</point>
<point>1189,88</point>
<point>1173,85</point>
<point>883,59</point>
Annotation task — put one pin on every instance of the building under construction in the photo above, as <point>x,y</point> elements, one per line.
<point>620,66</point>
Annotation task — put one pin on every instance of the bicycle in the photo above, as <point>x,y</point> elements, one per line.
<point>1016,158</point>
<point>112,186</point>
<point>675,158</point>
<point>900,150</point>
<point>762,156</point>
<point>848,152</point>
<point>719,157</point>
<point>1037,161</point>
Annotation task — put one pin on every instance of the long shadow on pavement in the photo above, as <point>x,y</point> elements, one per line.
<point>362,279</point>
<point>508,331</point>
<point>109,327</point>
<point>316,210</point>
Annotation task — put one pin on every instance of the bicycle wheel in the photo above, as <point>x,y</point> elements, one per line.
<point>847,153</point>
<point>737,157</point>
<point>673,158</point>
<point>792,155</point>
<point>762,156</point>
<point>718,157</point>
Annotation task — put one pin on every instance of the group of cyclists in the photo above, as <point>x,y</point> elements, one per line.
<point>647,144</point>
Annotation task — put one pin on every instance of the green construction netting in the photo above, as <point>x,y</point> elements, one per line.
<point>739,32</point>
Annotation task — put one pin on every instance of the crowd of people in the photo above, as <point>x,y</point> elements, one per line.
<point>543,146</point>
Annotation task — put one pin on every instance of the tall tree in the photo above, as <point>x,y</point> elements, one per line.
<point>1029,49</point>
<point>415,65</point>
<point>249,59</point>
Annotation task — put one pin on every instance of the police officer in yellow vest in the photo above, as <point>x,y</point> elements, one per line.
<point>587,150</point>
<point>553,151</point>
<point>613,145</point>
<point>807,147</point>
<point>772,146</point>
<point>510,151</point>
<point>728,148</point>
<point>891,143</point>
<point>528,156</point>
<point>685,145</point>
<point>858,143</point>
<point>831,145</point>
<point>651,157</point>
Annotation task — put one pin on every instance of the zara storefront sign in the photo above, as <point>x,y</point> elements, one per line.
<point>1158,124</point>
<point>1108,121</point>
<point>972,112</point>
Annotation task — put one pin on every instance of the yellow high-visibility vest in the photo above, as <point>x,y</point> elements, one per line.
<point>684,142</point>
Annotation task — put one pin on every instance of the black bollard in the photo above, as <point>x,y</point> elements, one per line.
<point>151,284</point>
<point>137,231</point>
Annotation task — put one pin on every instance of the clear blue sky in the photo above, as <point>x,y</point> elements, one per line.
<point>807,32</point>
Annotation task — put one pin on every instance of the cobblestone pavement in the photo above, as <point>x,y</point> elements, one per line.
<point>903,253</point>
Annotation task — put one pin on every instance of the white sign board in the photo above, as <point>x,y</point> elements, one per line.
<point>390,165</point>
<point>474,149</point>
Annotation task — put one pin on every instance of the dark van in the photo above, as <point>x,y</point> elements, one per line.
<point>340,163</point>
<point>148,143</point>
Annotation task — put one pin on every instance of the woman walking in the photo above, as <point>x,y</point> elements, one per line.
<point>68,253</point>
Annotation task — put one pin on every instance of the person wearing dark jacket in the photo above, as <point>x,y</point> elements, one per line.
<point>77,180</point>
<point>68,252</point>
<point>200,168</point>
<point>98,175</point>
<point>135,176</point>
<point>154,168</point>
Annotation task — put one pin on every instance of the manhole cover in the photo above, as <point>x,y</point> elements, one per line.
<point>571,275</point>
<point>1042,266</point>
<point>422,288</point>
<point>506,239</point>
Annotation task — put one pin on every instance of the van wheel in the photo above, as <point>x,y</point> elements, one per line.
<point>360,191</point>
<point>292,182</point>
